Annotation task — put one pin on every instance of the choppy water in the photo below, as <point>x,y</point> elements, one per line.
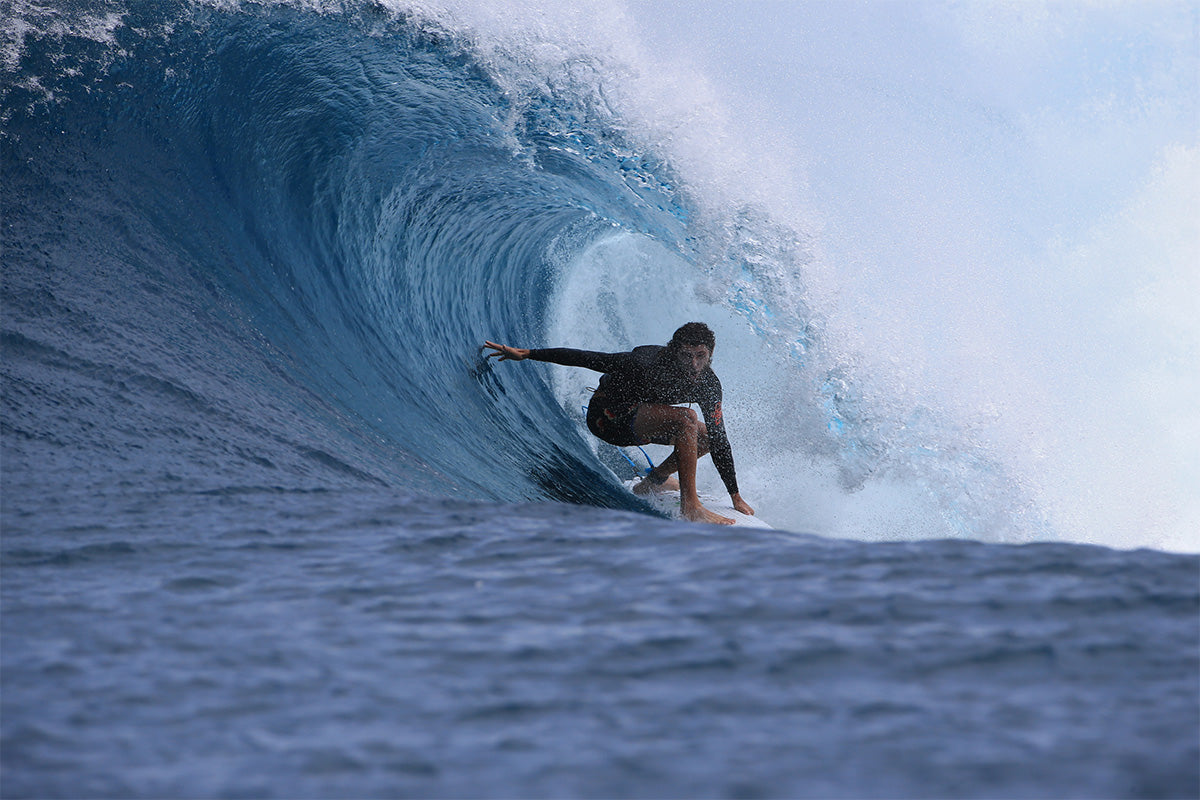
<point>352,643</point>
<point>272,528</point>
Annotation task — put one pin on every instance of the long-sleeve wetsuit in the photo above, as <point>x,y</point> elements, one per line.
<point>648,374</point>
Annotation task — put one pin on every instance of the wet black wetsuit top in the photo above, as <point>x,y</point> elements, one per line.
<point>648,374</point>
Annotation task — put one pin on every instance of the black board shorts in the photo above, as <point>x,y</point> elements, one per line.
<point>613,422</point>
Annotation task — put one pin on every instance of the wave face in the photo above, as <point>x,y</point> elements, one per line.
<point>259,247</point>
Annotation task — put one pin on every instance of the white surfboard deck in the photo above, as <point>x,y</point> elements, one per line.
<point>668,503</point>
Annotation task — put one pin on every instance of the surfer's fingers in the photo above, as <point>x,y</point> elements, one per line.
<point>499,348</point>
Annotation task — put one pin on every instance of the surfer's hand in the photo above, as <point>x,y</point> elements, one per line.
<point>506,353</point>
<point>741,505</point>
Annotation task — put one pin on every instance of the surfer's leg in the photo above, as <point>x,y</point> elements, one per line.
<point>661,475</point>
<point>681,428</point>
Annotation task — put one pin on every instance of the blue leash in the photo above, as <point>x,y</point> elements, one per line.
<point>634,465</point>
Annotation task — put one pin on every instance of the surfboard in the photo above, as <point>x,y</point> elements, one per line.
<point>668,503</point>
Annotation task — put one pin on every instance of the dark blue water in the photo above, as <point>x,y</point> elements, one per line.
<point>272,528</point>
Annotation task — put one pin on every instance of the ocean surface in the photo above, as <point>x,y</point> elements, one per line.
<point>272,527</point>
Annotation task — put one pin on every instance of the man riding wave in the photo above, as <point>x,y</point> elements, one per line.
<point>637,403</point>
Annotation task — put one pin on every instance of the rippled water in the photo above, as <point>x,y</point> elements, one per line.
<point>353,643</point>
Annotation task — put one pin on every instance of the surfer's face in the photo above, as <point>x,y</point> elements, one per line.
<point>693,359</point>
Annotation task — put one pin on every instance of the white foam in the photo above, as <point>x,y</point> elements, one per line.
<point>25,19</point>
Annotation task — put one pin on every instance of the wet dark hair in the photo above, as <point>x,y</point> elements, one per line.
<point>691,334</point>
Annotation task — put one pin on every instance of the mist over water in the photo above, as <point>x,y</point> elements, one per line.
<point>1004,213</point>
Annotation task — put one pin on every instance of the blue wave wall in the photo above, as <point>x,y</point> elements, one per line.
<point>258,248</point>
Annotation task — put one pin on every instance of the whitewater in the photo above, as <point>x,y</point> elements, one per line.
<point>271,525</point>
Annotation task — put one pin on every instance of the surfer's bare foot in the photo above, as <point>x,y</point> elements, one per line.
<point>699,513</point>
<point>646,486</point>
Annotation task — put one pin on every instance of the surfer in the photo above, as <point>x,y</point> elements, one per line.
<point>635,404</point>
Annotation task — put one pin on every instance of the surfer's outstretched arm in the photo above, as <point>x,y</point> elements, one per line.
<point>566,356</point>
